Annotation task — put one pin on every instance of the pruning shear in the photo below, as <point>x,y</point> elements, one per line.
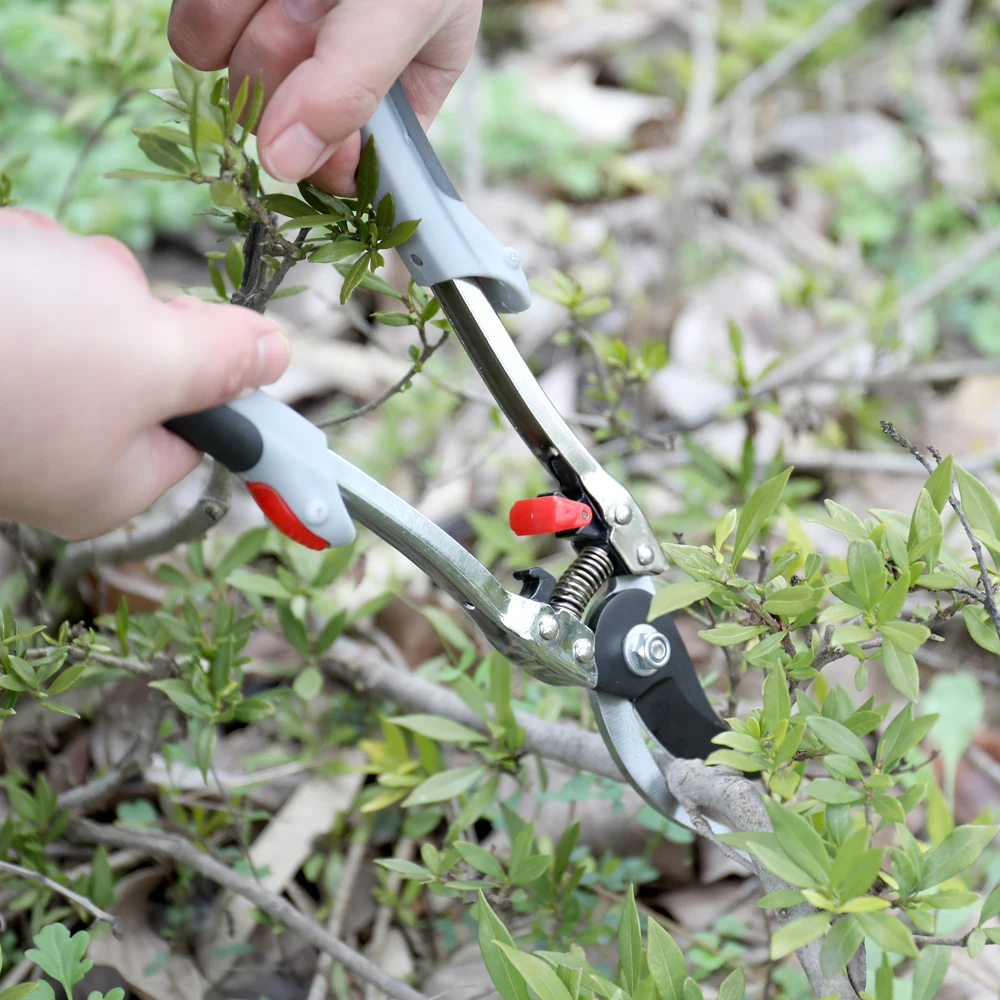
<point>587,628</point>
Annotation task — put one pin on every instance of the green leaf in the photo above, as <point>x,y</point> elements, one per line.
<point>781,899</point>
<point>257,583</point>
<point>19,992</point>
<point>976,942</point>
<point>833,793</point>
<point>357,271</point>
<point>852,633</point>
<point>226,194</point>
<point>408,869</point>
<point>330,253</point>
<point>204,748</point>
<point>692,991</point>
<point>888,932</point>
<point>867,572</point>
<point>907,636</point>
<point>234,263</point>
<point>539,975</point>
<point>675,596</point>
<point>666,963</point>
<point>437,728</point>
<point>285,204</point>
<point>294,628</point>
<point>901,735</point>
<point>60,955</point>
<point>956,853</point>
<point>991,907</point>
<point>762,503</point>
<point>308,683</point>
<point>730,633</point>
<point>777,700</point>
<point>797,934</point>
<point>924,537</point>
<point>66,679</point>
<point>630,943</point>
<point>843,520</point>
<point>526,870</point>
<point>901,670</point>
<point>734,986</point>
<point>367,175</point>
<point>181,694</point>
<point>165,154</point>
<point>443,786</point>
<point>142,175</point>
<point>480,859</point>
<point>253,112</point>
<point>790,602</point>
<point>895,597</point>
<point>838,738</point>
<point>798,838</point>
<point>840,945</point>
<point>979,503</point>
<point>981,628</point>
<point>492,934</point>
<point>730,758</point>
<point>244,550</point>
<point>938,484</point>
<point>451,633</point>
<point>399,234</point>
<point>930,969</point>
<point>764,846</point>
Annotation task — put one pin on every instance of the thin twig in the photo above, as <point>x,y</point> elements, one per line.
<point>30,876</point>
<point>397,387</point>
<point>356,854</point>
<point>77,654</point>
<point>948,942</point>
<point>34,92</point>
<point>956,505</point>
<point>90,143</point>
<point>179,850</point>
<point>148,539</point>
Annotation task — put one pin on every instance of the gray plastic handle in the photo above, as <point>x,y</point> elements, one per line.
<point>450,242</point>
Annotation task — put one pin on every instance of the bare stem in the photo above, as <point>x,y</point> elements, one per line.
<point>30,876</point>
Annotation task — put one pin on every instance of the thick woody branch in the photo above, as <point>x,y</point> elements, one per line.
<point>150,539</point>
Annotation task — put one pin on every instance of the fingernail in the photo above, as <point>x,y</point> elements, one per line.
<point>272,358</point>
<point>296,153</point>
<point>306,10</point>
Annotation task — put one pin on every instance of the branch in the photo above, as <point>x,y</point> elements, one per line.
<point>363,667</point>
<point>698,788</point>
<point>956,505</point>
<point>734,799</point>
<point>39,879</point>
<point>179,850</point>
<point>78,653</point>
<point>948,942</point>
<point>762,79</point>
<point>147,540</point>
<point>93,138</point>
<point>136,758</point>
<point>427,351</point>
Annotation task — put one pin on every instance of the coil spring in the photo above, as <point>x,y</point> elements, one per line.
<point>584,578</point>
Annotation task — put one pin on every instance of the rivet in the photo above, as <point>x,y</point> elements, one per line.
<point>548,627</point>
<point>583,650</point>
<point>644,554</point>
<point>623,513</point>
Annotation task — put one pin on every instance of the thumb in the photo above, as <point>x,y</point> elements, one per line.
<point>214,352</point>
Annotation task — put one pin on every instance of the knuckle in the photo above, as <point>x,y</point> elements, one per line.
<point>359,102</point>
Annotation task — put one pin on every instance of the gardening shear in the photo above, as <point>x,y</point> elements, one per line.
<point>587,628</point>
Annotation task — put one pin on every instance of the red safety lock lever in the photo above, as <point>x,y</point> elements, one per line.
<point>549,515</point>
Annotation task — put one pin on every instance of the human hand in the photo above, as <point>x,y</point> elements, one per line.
<point>325,66</point>
<point>93,364</point>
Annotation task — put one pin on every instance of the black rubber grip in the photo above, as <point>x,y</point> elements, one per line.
<point>221,432</point>
<point>399,100</point>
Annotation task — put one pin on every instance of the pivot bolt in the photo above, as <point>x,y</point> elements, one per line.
<point>623,513</point>
<point>646,650</point>
<point>548,626</point>
<point>644,554</point>
<point>583,650</point>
